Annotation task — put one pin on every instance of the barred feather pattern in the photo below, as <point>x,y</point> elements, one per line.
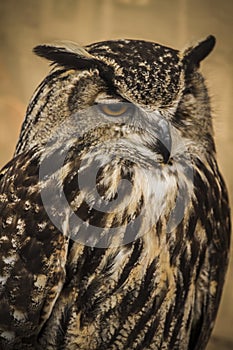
<point>148,271</point>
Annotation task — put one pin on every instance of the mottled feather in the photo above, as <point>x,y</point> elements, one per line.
<point>114,231</point>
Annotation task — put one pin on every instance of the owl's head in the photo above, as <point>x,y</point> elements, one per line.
<point>118,126</point>
<point>133,82</point>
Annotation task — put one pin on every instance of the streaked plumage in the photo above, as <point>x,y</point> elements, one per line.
<point>114,226</point>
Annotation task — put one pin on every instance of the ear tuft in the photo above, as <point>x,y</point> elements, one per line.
<point>72,58</point>
<point>195,54</point>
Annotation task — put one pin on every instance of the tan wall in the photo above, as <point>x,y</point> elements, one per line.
<point>26,23</point>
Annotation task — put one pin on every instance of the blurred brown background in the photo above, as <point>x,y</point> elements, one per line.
<point>176,23</point>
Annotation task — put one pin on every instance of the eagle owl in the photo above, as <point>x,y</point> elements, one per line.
<point>115,224</point>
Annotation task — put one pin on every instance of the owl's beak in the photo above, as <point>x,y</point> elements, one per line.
<point>163,141</point>
<point>159,132</point>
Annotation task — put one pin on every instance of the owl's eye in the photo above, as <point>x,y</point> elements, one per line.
<point>115,109</point>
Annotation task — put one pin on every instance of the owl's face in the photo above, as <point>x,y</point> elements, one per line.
<point>130,82</point>
<point>120,110</point>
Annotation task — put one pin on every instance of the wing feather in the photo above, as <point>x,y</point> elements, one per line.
<point>33,253</point>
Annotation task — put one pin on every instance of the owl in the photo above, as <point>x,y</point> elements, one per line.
<point>115,222</point>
